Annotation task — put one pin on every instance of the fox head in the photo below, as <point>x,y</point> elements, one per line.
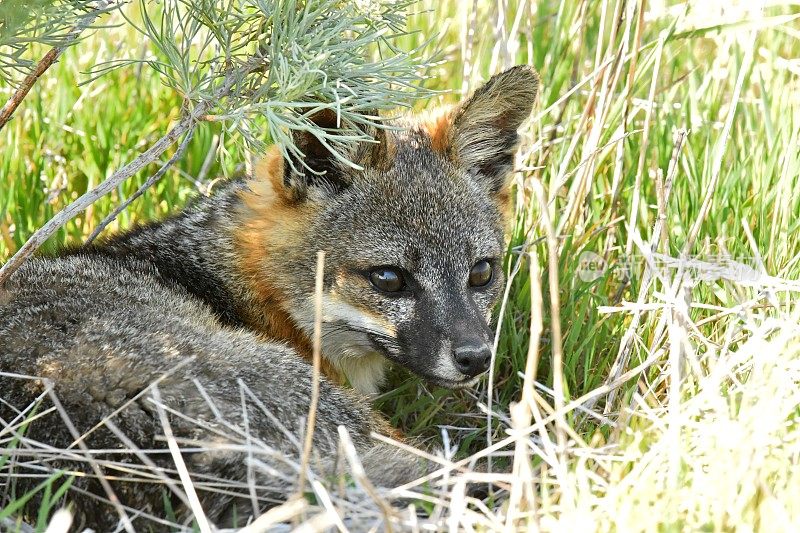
<point>414,242</point>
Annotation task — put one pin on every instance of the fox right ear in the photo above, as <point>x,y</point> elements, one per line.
<point>316,166</point>
<point>319,169</point>
<point>480,134</point>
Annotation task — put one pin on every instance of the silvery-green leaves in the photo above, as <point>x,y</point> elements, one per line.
<point>53,23</point>
<point>266,66</point>
<point>269,65</point>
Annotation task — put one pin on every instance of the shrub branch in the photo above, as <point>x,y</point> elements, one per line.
<point>49,59</point>
<point>186,124</point>
<point>146,185</point>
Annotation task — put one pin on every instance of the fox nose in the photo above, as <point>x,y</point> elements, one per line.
<point>473,359</point>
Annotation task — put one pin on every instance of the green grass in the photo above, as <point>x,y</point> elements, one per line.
<point>587,145</point>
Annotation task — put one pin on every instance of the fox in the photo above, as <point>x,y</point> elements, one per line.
<point>202,322</point>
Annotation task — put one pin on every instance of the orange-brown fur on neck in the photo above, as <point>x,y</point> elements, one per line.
<point>272,222</point>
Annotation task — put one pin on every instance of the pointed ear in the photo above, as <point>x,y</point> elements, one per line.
<point>321,170</point>
<point>480,134</point>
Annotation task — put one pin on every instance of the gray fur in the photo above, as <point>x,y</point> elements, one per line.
<point>102,331</point>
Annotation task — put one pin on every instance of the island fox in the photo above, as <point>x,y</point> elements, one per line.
<point>212,306</point>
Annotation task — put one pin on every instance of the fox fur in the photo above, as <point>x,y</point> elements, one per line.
<point>215,305</point>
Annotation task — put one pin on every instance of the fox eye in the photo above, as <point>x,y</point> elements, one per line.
<point>387,279</point>
<point>481,274</point>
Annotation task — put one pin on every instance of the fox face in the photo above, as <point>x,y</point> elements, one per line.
<point>414,240</point>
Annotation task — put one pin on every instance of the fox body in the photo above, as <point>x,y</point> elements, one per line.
<point>215,305</point>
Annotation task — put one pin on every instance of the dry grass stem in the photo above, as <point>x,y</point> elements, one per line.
<point>317,365</point>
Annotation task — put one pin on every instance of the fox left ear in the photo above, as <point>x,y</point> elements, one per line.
<point>480,134</point>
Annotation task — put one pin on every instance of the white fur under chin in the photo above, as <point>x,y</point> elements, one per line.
<point>349,351</point>
<point>365,373</point>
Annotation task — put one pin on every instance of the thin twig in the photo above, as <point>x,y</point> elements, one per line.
<point>49,60</point>
<point>532,360</point>
<point>513,270</point>
<point>521,412</point>
<point>276,515</point>
<point>180,465</point>
<point>555,319</point>
<point>251,475</point>
<point>101,478</point>
<point>660,235</point>
<point>209,160</point>
<point>145,186</point>
<point>360,476</point>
